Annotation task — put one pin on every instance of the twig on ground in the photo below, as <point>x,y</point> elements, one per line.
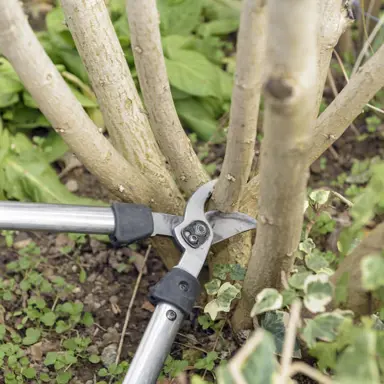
<point>289,342</point>
<point>343,199</point>
<point>128,315</point>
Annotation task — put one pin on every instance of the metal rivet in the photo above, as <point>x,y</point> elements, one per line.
<point>183,285</point>
<point>171,315</point>
<point>200,229</point>
<point>193,239</point>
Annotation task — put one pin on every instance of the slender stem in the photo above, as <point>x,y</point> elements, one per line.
<point>130,306</point>
<point>314,374</point>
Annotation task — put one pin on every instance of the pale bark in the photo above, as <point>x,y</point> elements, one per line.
<point>334,21</point>
<point>358,299</point>
<point>290,101</point>
<point>348,104</point>
<point>112,82</point>
<point>148,52</point>
<point>245,106</point>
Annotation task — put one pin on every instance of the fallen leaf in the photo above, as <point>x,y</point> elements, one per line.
<point>148,306</point>
<point>37,352</point>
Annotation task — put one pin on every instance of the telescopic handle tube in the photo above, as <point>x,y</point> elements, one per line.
<point>155,345</point>
<point>56,218</point>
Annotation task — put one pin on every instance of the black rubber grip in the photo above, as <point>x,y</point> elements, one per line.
<point>178,288</point>
<point>132,222</point>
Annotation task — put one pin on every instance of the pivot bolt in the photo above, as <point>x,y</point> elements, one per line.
<point>200,229</point>
<point>193,239</point>
<point>183,285</point>
<point>171,315</point>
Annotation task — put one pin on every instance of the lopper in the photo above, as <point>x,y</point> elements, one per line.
<point>176,293</point>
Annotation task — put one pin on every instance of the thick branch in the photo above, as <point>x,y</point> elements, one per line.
<point>112,82</point>
<point>245,106</point>
<point>147,49</point>
<point>358,299</point>
<point>361,88</point>
<point>332,123</point>
<point>39,75</point>
<point>290,101</point>
<point>333,22</point>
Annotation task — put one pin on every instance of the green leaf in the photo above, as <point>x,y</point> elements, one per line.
<point>307,246</point>
<point>21,117</point>
<point>8,99</point>
<point>196,118</point>
<point>274,322</point>
<point>227,293</point>
<point>268,299</point>
<point>237,272</point>
<point>32,335</point>
<point>289,295</point>
<point>192,73</point>
<point>228,9</point>
<point>297,280</point>
<point>82,275</point>
<point>62,326</point>
<point>341,289</point>
<point>326,355</point>
<point>2,331</point>
<point>87,319</point>
<point>212,308</point>
<point>73,62</point>
<point>48,319</point>
<point>29,373</point>
<point>213,286</point>
<point>29,176</point>
<point>258,365</point>
<point>94,359</point>
<point>356,365</point>
<point>44,377</point>
<point>85,101</point>
<point>220,270</point>
<point>319,196</point>
<point>53,147</point>
<point>372,272</point>
<point>179,17</point>
<point>323,327</point>
<point>63,377</point>
<point>173,43</point>
<point>318,292</point>
<point>316,262</point>
<point>207,362</point>
<point>218,27</point>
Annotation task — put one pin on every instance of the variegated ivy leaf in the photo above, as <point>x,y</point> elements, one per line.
<point>276,322</point>
<point>213,286</point>
<point>297,280</point>
<point>307,246</point>
<point>269,299</point>
<point>372,272</point>
<point>317,263</point>
<point>319,196</point>
<point>318,292</point>
<point>225,295</point>
<point>220,271</point>
<point>323,327</point>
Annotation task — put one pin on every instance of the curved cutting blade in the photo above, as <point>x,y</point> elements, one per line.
<point>225,225</point>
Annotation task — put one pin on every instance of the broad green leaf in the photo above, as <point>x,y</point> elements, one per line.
<point>212,287</point>
<point>23,117</point>
<point>51,358</point>
<point>192,73</point>
<point>29,101</point>
<point>237,272</point>
<point>218,27</point>
<point>73,63</point>
<point>258,366</point>
<point>275,323</point>
<point>94,359</point>
<point>207,362</point>
<point>198,380</point>
<point>372,272</point>
<point>32,335</point>
<point>326,355</point>
<point>2,331</point>
<point>57,29</point>
<point>29,373</point>
<point>173,43</point>
<point>179,95</point>
<point>289,295</point>
<point>44,377</point>
<point>63,377</point>
<point>356,365</point>
<point>221,270</point>
<point>228,9</point>
<point>297,279</point>
<point>307,246</point>
<point>341,289</point>
<point>269,299</point>
<point>316,262</point>
<point>54,147</point>
<point>196,118</point>
<point>179,17</point>
<point>48,319</point>
<point>323,327</point>
<point>212,47</point>
<point>29,176</point>
<point>87,319</point>
<point>318,292</point>
<point>319,196</point>
<point>8,99</point>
